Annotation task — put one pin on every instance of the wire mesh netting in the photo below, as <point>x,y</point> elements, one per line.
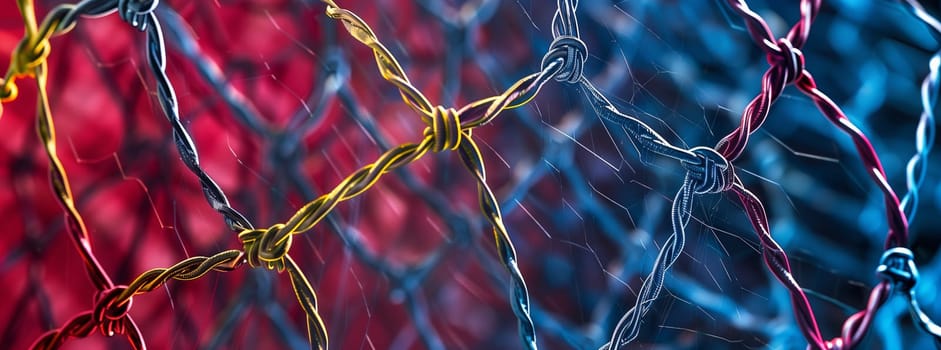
<point>585,174</point>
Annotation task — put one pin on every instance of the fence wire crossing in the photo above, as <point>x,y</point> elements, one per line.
<point>571,63</point>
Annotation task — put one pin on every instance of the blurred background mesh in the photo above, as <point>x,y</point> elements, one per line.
<point>283,104</point>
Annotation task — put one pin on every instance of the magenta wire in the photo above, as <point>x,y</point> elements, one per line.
<point>787,67</point>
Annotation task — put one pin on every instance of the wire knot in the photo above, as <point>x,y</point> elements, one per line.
<point>713,173</point>
<point>135,12</point>
<point>445,129</point>
<point>789,58</point>
<point>265,247</point>
<point>897,266</point>
<point>110,313</point>
<point>29,55</point>
<point>573,53</point>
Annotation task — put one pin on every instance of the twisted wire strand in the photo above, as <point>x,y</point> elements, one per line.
<point>34,47</point>
<point>472,159</point>
<point>707,170</point>
<point>74,222</point>
<point>628,327</point>
<point>36,41</point>
<point>112,307</point>
<point>897,265</point>
<point>447,130</point>
<point>898,225</point>
<point>855,327</point>
<point>29,58</point>
<point>270,247</point>
<point>775,258</point>
<point>144,18</point>
<point>917,166</point>
<point>786,66</point>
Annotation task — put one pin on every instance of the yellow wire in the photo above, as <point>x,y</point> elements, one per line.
<point>33,48</point>
<point>270,247</point>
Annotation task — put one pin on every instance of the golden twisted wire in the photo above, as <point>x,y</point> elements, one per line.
<point>33,49</point>
<point>447,130</point>
<point>189,269</point>
<point>29,60</point>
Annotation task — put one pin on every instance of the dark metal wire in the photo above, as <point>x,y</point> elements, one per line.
<point>143,18</point>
